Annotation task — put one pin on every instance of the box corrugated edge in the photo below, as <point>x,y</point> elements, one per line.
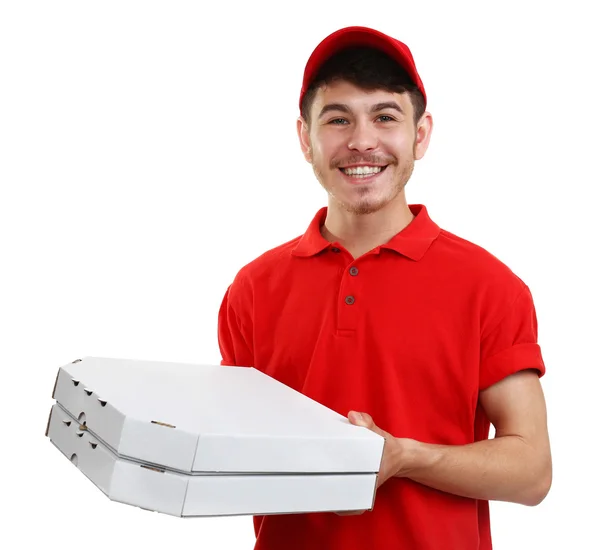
<point>49,418</point>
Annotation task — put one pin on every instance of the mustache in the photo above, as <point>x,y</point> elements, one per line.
<point>366,159</point>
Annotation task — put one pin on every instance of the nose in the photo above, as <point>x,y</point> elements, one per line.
<point>363,137</point>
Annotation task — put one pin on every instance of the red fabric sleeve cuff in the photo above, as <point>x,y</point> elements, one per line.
<point>509,361</point>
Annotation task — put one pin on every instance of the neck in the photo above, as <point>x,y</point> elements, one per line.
<point>360,233</point>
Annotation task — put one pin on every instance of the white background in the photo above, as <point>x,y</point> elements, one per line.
<point>148,151</point>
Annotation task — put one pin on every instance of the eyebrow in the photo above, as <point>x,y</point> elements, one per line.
<point>387,105</point>
<point>376,108</point>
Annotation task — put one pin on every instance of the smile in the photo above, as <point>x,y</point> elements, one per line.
<point>362,171</point>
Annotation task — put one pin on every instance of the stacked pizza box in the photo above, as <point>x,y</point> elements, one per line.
<point>209,440</point>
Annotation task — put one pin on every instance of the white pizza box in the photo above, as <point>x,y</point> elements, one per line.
<point>193,495</point>
<point>211,418</point>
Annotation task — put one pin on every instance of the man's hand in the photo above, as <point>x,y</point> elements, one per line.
<point>392,448</point>
<point>393,451</point>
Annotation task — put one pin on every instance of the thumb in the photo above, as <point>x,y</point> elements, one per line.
<point>365,420</point>
<point>360,419</point>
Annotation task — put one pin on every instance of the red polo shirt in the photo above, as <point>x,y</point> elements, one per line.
<point>410,332</point>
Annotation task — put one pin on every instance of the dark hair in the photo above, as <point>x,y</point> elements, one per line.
<point>369,69</point>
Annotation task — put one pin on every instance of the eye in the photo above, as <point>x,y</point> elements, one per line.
<point>385,118</point>
<point>337,121</point>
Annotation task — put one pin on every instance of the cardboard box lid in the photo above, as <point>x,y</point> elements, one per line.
<point>180,494</point>
<point>211,418</point>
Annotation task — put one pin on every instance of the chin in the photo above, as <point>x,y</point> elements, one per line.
<point>362,208</point>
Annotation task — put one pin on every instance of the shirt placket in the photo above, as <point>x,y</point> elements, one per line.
<point>350,298</point>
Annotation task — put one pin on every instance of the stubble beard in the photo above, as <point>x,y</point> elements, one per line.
<point>367,205</point>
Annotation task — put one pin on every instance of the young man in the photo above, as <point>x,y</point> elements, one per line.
<point>381,315</point>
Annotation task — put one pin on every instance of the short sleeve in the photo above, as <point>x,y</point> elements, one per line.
<point>234,340</point>
<point>512,345</point>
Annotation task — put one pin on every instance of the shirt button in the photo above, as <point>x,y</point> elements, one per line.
<point>336,250</point>
<point>354,271</point>
<point>349,300</point>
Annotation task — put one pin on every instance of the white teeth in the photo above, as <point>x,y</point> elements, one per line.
<point>362,170</point>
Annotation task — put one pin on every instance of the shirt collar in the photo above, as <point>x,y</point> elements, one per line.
<point>412,241</point>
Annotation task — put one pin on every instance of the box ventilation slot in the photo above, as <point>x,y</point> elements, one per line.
<point>153,469</point>
<point>162,424</point>
<point>82,423</point>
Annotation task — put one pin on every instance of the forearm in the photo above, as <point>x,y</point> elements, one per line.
<point>505,468</point>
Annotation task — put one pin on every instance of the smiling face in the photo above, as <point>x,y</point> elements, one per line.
<point>362,144</point>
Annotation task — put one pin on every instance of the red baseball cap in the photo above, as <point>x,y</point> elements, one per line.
<point>360,36</point>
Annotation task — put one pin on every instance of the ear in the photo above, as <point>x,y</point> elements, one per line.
<point>303,136</point>
<point>423,135</point>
